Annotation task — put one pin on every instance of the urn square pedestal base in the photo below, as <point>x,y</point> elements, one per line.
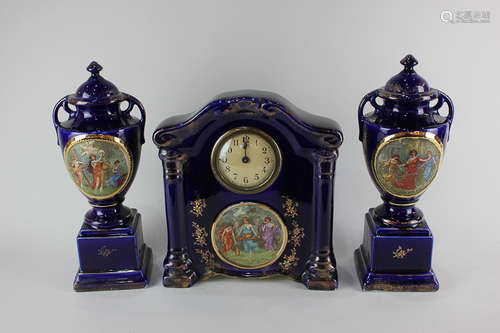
<point>115,258</point>
<point>395,259</point>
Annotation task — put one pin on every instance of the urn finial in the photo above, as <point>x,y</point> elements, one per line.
<point>96,90</point>
<point>409,62</point>
<point>94,68</point>
<point>407,84</point>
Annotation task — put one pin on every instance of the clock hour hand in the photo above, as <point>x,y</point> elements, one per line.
<point>245,158</point>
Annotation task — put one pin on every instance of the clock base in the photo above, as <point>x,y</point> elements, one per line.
<point>320,273</point>
<point>115,258</point>
<point>178,273</point>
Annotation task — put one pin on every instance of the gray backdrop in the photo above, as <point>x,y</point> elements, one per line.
<point>176,55</point>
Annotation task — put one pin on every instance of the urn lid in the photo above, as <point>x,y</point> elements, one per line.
<point>96,90</point>
<point>407,85</point>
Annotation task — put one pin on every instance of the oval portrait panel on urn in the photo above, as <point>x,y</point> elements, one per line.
<point>99,165</point>
<point>406,164</point>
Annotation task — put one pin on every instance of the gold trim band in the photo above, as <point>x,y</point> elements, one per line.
<point>395,223</point>
<point>104,206</point>
<point>402,204</point>
<point>95,221</point>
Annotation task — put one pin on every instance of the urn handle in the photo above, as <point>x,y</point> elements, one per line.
<point>370,97</point>
<point>63,102</point>
<point>443,98</point>
<point>132,101</point>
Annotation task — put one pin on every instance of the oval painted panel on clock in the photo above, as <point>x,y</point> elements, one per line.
<point>249,235</point>
<point>246,160</point>
<point>99,165</point>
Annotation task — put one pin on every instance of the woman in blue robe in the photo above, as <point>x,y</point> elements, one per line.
<point>248,235</point>
<point>114,180</point>
<point>430,165</point>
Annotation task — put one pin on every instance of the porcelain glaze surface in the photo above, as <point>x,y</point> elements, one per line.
<point>301,195</point>
<point>404,139</point>
<point>101,145</point>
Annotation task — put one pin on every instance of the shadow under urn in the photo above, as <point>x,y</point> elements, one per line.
<point>101,144</point>
<point>404,139</point>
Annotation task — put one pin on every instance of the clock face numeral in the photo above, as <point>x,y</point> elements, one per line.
<point>245,159</point>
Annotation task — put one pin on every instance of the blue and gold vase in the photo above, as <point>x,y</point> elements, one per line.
<point>403,138</point>
<point>101,144</point>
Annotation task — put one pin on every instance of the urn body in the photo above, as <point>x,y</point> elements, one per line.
<point>404,138</point>
<point>101,146</point>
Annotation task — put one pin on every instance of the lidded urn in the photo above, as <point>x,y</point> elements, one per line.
<point>101,143</point>
<point>404,138</point>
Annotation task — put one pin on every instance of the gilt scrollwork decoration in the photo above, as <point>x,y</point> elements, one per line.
<point>296,234</point>
<point>200,234</point>
<point>400,253</point>
<point>290,207</point>
<point>197,207</point>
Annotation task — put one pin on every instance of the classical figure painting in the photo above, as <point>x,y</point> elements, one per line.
<point>405,166</point>
<point>249,235</point>
<point>99,166</point>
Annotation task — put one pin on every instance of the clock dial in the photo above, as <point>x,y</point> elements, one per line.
<point>246,160</point>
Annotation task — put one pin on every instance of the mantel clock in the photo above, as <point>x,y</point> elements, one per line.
<point>249,191</point>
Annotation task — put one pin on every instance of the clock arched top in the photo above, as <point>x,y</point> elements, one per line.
<point>314,131</point>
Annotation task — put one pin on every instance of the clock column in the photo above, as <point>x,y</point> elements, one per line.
<point>177,264</point>
<point>320,272</point>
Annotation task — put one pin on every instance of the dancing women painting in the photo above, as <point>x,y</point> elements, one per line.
<point>406,166</point>
<point>249,235</point>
